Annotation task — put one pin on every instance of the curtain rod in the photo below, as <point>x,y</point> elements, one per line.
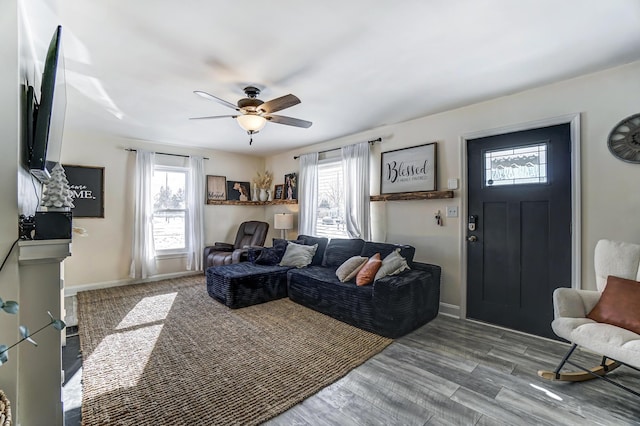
<point>165,153</point>
<point>295,157</point>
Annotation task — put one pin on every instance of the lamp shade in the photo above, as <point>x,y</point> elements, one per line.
<point>251,122</point>
<point>283,221</point>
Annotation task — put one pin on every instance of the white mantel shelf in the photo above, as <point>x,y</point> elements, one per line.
<point>43,251</point>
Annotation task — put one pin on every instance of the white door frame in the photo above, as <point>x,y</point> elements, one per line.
<point>576,232</point>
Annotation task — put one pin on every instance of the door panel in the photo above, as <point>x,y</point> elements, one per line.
<point>520,191</point>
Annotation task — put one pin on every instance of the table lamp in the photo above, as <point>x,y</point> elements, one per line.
<point>284,222</point>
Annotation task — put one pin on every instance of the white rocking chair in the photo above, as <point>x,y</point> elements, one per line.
<point>617,345</point>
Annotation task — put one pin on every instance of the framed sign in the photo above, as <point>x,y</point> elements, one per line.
<point>87,189</point>
<point>216,188</point>
<point>408,169</point>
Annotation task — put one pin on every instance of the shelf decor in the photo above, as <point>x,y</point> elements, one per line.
<point>216,188</point>
<point>408,169</point>
<point>290,186</point>
<point>237,190</point>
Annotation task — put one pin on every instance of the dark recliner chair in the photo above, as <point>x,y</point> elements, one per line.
<point>250,234</point>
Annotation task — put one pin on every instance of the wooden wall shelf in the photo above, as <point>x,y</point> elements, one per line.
<point>250,203</point>
<point>422,195</point>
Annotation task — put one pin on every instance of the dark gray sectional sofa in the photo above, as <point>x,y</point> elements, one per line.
<point>392,306</point>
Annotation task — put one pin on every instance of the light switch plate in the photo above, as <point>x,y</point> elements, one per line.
<point>452,184</point>
<point>452,211</point>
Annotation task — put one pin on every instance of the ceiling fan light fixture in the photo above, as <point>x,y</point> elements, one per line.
<point>251,123</point>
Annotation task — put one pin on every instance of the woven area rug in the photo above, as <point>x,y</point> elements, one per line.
<point>165,353</point>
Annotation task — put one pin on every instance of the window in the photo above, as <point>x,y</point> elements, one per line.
<point>515,166</point>
<point>330,216</point>
<point>169,186</point>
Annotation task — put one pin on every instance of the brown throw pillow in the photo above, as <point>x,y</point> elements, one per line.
<point>368,272</point>
<point>619,304</point>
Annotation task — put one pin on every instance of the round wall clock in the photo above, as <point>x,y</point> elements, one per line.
<point>624,139</point>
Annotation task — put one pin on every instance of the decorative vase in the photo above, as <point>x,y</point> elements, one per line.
<point>263,194</point>
<point>270,195</point>
<point>254,196</point>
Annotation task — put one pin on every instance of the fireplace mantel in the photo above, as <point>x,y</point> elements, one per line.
<point>39,370</point>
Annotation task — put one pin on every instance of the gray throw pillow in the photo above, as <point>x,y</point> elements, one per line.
<point>391,265</point>
<point>298,255</point>
<point>349,269</point>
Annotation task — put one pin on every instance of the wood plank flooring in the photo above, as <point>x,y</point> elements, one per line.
<point>456,372</point>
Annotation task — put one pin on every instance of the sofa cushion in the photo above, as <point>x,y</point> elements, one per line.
<point>350,268</point>
<point>340,249</point>
<point>245,284</point>
<point>370,248</point>
<point>318,288</point>
<point>322,245</point>
<point>393,264</point>
<point>368,272</point>
<point>619,304</point>
<point>298,255</point>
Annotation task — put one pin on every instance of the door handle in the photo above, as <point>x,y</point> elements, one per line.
<point>472,238</point>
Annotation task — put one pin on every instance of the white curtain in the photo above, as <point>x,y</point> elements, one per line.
<point>308,194</point>
<point>143,263</point>
<point>355,169</point>
<point>195,219</point>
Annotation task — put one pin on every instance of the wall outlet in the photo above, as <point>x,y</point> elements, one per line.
<point>452,211</point>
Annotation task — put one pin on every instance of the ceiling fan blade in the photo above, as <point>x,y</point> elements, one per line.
<point>212,116</point>
<point>289,121</point>
<point>278,104</point>
<point>215,98</point>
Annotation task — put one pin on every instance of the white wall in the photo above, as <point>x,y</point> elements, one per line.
<point>610,200</point>
<point>10,133</point>
<point>104,255</point>
<point>608,211</point>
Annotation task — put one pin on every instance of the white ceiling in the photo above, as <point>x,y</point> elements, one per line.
<point>132,65</point>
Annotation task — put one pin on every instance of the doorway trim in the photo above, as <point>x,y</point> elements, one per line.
<point>576,225</point>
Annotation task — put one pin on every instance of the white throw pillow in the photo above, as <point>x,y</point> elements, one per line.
<point>349,269</point>
<point>392,264</point>
<point>298,255</point>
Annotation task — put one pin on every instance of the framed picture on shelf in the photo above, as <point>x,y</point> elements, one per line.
<point>238,190</point>
<point>409,169</point>
<point>290,186</point>
<point>278,192</point>
<point>216,188</point>
<point>87,189</point>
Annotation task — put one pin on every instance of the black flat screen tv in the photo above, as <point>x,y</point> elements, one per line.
<point>45,144</point>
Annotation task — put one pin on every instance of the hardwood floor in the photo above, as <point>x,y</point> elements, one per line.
<point>456,372</point>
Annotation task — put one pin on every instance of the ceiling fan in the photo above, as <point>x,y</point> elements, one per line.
<point>254,113</point>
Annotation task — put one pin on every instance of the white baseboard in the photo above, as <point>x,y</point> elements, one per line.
<point>449,310</point>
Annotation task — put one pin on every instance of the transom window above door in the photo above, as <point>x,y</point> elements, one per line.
<point>516,166</point>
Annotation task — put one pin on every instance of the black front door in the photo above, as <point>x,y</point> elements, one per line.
<point>519,250</point>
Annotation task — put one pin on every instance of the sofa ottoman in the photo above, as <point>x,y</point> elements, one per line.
<point>245,284</point>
